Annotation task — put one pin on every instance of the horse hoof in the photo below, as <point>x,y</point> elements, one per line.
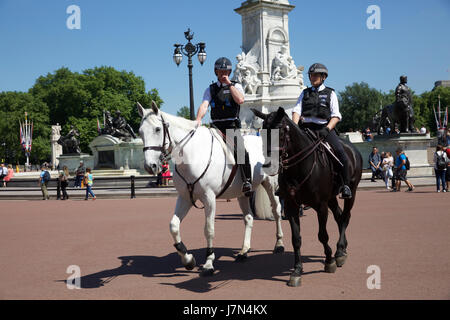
<point>340,260</point>
<point>241,257</point>
<point>207,272</point>
<point>295,281</point>
<point>279,249</point>
<point>191,265</point>
<point>330,267</point>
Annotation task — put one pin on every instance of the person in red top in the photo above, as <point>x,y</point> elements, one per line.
<point>166,175</point>
<point>8,177</point>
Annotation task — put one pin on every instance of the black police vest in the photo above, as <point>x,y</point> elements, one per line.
<point>317,103</point>
<point>222,103</point>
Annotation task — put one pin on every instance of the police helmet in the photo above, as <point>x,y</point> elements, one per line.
<point>318,68</point>
<point>222,64</point>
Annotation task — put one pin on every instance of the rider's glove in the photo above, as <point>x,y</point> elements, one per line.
<point>324,132</point>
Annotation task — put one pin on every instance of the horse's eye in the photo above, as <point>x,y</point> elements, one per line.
<point>158,129</point>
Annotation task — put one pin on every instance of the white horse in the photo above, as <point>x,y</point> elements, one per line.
<point>203,161</point>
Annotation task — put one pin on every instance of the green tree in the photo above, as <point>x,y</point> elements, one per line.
<point>184,112</point>
<point>13,106</point>
<point>424,104</point>
<point>80,99</point>
<point>358,105</point>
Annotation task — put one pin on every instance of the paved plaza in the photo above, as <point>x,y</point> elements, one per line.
<point>124,250</point>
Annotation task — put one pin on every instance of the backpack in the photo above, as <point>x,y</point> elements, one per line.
<point>407,164</point>
<point>46,177</point>
<point>440,162</point>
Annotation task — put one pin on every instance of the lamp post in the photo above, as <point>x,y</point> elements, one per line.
<point>190,50</point>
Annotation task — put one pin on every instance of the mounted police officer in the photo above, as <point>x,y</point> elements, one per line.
<point>225,97</point>
<point>318,109</point>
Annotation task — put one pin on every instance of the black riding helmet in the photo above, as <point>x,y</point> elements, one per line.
<point>403,79</point>
<point>318,68</point>
<point>222,64</point>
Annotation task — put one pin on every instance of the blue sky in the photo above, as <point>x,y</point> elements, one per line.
<point>138,36</point>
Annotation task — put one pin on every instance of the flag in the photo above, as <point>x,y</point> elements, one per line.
<point>98,127</point>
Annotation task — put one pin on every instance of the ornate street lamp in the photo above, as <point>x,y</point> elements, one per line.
<point>26,137</point>
<point>190,50</point>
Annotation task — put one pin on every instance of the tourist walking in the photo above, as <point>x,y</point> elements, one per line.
<point>64,182</point>
<point>400,171</point>
<point>440,161</point>
<point>387,165</point>
<point>44,178</point>
<point>9,175</point>
<point>88,182</point>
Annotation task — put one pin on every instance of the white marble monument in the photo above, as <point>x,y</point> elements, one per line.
<point>265,68</point>
<point>56,147</point>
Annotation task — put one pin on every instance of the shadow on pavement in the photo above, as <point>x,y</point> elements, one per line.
<point>259,265</point>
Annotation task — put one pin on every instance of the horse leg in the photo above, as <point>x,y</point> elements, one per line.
<point>292,213</point>
<point>276,211</point>
<point>345,220</point>
<point>181,210</point>
<point>248,221</point>
<point>341,254</point>
<point>322,215</point>
<point>210,211</point>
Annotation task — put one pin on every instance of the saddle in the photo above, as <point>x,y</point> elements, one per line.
<point>326,150</point>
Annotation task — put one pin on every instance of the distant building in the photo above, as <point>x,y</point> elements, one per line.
<point>442,83</point>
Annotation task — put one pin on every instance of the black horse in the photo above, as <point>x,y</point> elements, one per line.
<point>307,176</point>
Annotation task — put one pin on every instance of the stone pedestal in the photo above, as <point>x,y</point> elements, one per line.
<point>72,161</point>
<point>112,153</point>
<point>415,146</point>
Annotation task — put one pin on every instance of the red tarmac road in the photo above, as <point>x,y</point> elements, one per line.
<point>124,251</point>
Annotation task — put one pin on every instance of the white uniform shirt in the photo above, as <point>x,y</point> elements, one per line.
<point>334,107</point>
<point>207,95</point>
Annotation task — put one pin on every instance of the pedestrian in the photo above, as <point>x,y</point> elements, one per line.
<point>447,175</point>
<point>375,163</point>
<point>79,174</point>
<point>88,182</point>
<point>400,171</point>
<point>423,130</point>
<point>3,174</point>
<point>368,136</point>
<point>225,97</point>
<point>387,165</point>
<point>64,182</point>
<point>318,109</point>
<point>44,178</point>
<point>8,176</point>
<point>166,175</point>
<point>440,167</point>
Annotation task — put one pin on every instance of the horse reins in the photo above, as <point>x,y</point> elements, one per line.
<point>166,153</point>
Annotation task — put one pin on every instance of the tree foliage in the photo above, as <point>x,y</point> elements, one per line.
<point>358,105</point>
<point>71,98</point>
<point>184,112</point>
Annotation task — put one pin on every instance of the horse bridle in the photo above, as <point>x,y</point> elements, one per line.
<point>165,153</point>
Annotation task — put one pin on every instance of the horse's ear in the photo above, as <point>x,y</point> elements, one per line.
<point>155,107</point>
<point>281,111</point>
<point>259,114</point>
<point>141,109</point>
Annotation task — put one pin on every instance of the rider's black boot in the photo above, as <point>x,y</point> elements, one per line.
<point>346,193</point>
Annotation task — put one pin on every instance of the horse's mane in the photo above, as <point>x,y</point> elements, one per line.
<point>179,122</point>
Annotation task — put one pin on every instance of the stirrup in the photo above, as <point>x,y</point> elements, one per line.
<point>246,187</point>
